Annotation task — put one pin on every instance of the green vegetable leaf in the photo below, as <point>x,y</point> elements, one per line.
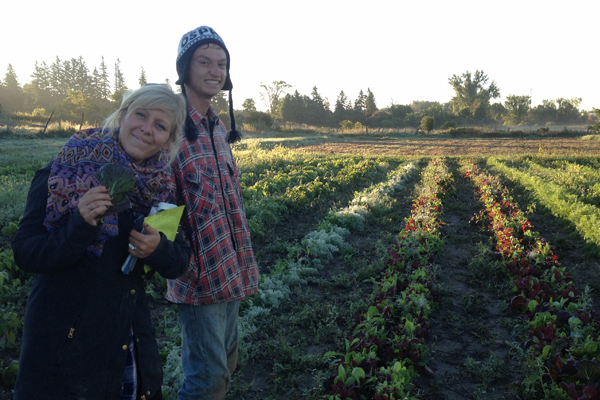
<point>120,180</point>
<point>588,369</point>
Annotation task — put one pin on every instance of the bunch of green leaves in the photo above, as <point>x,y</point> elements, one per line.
<point>120,180</point>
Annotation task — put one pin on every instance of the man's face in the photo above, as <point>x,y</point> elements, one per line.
<point>207,71</point>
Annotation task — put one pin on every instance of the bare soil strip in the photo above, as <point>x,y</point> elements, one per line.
<point>453,147</point>
<point>470,357</point>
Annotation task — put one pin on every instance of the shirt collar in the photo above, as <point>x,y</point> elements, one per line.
<point>198,118</point>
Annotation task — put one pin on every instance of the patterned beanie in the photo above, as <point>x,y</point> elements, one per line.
<point>187,45</point>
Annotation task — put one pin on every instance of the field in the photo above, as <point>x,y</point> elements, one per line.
<point>392,267</point>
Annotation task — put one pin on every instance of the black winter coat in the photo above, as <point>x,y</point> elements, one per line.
<point>81,310</point>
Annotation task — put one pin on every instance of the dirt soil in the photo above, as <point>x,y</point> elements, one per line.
<point>432,146</point>
<point>470,332</point>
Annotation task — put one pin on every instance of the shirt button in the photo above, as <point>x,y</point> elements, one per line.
<point>132,291</point>
<point>148,393</point>
<point>125,347</point>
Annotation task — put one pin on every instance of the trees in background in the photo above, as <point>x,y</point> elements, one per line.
<point>517,109</point>
<point>550,112</point>
<point>272,95</point>
<point>249,105</point>
<point>343,107</point>
<point>472,94</point>
<point>11,93</point>
<point>67,88</point>
<point>302,109</point>
<point>370,106</point>
<point>427,123</point>
<point>142,80</point>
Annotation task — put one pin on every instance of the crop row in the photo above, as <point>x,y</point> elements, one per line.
<point>580,180</point>
<point>563,332</point>
<point>584,217</point>
<point>303,260</point>
<point>382,357</point>
<point>280,193</point>
<point>559,162</point>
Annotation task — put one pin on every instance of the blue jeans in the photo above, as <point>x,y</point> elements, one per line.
<point>209,349</point>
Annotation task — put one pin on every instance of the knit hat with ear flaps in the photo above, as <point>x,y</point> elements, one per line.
<point>187,45</point>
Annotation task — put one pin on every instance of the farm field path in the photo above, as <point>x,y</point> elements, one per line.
<point>289,345</point>
<point>447,146</point>
<point>468,333</point>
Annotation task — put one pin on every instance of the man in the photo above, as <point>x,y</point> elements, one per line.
<point>223,268</point>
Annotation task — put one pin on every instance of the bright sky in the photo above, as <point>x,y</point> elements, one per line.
<point>401,50</point>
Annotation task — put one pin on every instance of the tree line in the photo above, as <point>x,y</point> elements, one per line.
<point>68,89</point>
<point>471,105</point>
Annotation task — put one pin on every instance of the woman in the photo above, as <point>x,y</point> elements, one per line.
<point>87,330</point>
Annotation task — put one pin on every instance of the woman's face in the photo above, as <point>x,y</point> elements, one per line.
<point>144,133</point>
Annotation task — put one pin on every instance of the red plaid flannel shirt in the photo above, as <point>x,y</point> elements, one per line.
<point>223,266</point>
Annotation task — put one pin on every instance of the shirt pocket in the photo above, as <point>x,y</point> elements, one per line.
<point>202,193</point>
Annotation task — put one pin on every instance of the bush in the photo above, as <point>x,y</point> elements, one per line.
<point>358,125</point>
<point>39,112</point>
<point>347,125</point>
<point>427,123</point>
<point>256,127</point>
<point>256,117</point>
<point>448,125</point>
<point>26,117</point>
<point>224,116</point>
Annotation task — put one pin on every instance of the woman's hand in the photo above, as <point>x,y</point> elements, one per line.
<point>94,204</point>
<point>142,245</point>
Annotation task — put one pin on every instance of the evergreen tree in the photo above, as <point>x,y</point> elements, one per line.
<point>103,82</point>
<point>370,106</point>
<point>295,108</point>
<point>81,77</point>
<point>342,108</point>
<point>142,79</point>
<point>359,103</point>
<point>358,112</point>
<point>119,86</point>
<point>37,92</point>
<point>119,78</point>
<point>68,76</point>
<point>316,111</point>
<point>40,77</point>
<point>95,83</point>
<point>57,89</point>
<point>11,96</point>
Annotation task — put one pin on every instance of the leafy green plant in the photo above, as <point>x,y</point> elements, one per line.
<point>120,180</point>
<point>10,325</point>
<point>9,374</point>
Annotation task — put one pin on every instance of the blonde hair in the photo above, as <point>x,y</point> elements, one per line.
<point>154,96</point>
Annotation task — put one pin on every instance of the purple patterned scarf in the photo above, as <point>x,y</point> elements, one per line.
<point>73,174</point>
